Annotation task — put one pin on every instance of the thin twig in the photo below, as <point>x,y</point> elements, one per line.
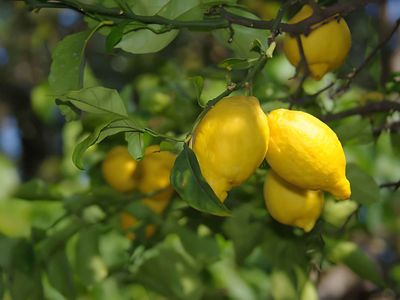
<point>220,19</point>
<point>370,108</point>
<point>368,59</point>
<point>394,185</point>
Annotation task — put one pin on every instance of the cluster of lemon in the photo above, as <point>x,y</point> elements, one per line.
<point>305,155</point>
<point>235,136</point>
<point>149,175</point>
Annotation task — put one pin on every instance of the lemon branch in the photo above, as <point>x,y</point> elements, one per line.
<point>217,17</point>
<point>370,108</point>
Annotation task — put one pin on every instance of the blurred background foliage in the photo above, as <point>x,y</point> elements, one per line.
<point>193,255</point>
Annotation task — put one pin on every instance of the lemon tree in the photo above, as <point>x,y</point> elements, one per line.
<point>198,149</point>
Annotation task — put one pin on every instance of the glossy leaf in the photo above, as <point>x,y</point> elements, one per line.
<point>191,186</point>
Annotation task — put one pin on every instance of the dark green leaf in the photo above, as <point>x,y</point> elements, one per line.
<point>88,263</point>
<point>135,144</point>
<point>115,36</point>
<point>36,189</point>
<point>25,286</point>
<point>349,253</point>
<point>68,63</point>
<point>244,231</point>
<point>191,186</point>
<point>164,270</point>
<point>59,274</point>
<point>203,248</point>
<point>198,84</point>
<point>354,131</point>
<point>364,189</point>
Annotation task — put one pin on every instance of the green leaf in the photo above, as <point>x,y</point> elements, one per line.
<point>364,189</point>
<point>68,63</point>
<point>164,270</point>
<point>147,8</point>
<point>237,63</point>
<point>349,253</point>
<point>243,38</point>
<point>36,189</point>
<point>23,286</point>
<point>198,84</point>
<point>204,249</point>
<point>59,274</point>
<point>191,186</point>
<point>135,144</point>
<point>115,36</point>
<point>96,100</point>
<point>176,8</point>
<point>354,131</point>
<point>146,41</point>
<point>88,263</point>
<point>244,231</point>
<point>284,287</point>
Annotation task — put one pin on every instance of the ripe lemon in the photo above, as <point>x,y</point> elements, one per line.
<point>307,153</point>
<point>118,168</point>
<point>291,205</point>
<point>151,176</point>
<point>325,48</point>
<point>128,221</point>
<point>230,142</point>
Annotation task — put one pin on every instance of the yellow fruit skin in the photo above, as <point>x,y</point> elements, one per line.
<point>230,142</point>
<point>118,168</point>
<point>325,48</point>
<point>307,153</point>
<point>152,175</point>
<point>291,205</point>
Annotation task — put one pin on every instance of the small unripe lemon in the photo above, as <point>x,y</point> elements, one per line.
<point>118,169</point>
<point>230,142</point>
<point>305,152</point>
<point>291,205</point>
<point>325,47</point>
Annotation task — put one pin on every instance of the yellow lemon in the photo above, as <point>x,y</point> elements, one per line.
<point>325,48</point>
<point>152,176</point>
<point>118,169</point>
<point>128,221</point>
<point>307,153</point>
<point>230,142</point>
<point>291,205</point>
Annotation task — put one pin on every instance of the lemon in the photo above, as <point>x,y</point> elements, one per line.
<point>128,221</point>
<point>230,142</point>
<point>151,176</point>
<point>291,205</point>
<point>325,48</point>
<point>307,153</point>
<point>118,168</point>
